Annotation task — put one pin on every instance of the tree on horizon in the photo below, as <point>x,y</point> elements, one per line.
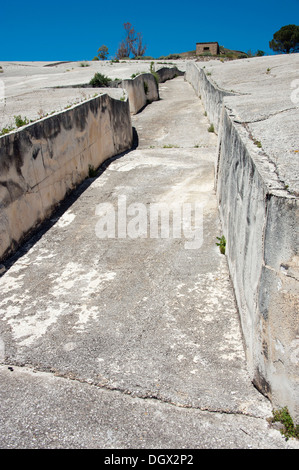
<point>103,52</point>
<point>286,40</point>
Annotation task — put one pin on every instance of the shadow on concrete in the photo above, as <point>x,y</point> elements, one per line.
<point>35,235</point>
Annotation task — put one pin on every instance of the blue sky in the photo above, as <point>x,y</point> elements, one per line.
<point>74,30</point>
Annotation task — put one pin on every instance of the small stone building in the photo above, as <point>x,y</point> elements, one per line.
<point>207,47</point>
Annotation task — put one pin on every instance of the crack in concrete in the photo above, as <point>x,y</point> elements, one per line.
<point>130,393</point>
<point>281,184</point>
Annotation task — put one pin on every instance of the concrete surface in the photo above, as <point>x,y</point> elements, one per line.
<point>131,342</point>
<point>30,88</point>
<point>42,162</point>
<point>266,101</point>
<point>254,105</point>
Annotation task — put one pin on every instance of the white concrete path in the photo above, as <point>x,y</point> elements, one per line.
<point>131,342</point>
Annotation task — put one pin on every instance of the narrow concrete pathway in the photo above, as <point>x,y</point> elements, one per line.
<point>128,342</point>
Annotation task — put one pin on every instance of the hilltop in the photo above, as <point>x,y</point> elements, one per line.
<point>225,53</point>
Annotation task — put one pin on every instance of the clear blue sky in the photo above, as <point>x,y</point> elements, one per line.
<point>74,30</point>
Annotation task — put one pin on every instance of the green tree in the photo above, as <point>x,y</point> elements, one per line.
<point>286,40</point>
<point>103,52</point>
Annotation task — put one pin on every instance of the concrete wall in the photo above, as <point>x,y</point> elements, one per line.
<point>260,225</point>
<point>41,163</point>
<point>141,90</point>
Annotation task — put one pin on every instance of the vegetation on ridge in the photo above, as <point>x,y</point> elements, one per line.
<point>286,40</point>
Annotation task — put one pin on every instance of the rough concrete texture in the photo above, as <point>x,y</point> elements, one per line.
<point>263,97</point>
<point>30,88</point>
<point>254,105</point>
<point>45,160</point>
<point>131,342</point>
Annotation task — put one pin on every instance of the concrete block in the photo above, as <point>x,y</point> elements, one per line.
<point>42,162</point>
<point>256,183</point>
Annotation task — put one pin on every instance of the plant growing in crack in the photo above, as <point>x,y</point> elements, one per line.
<point>222,244</point>
<point>99,80</point>
<point>153,72</point>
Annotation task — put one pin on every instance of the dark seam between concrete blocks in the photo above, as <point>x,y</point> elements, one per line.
<point>132,394</point>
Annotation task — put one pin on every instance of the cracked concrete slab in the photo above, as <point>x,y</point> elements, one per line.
<point>54,413</point>
<point>255,83</point>
<point>138,336</point>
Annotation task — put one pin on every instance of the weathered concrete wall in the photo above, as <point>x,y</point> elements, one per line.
<point>260,223</point>
<point>210,94</point>
<point>42,162</point>
<point>168,73</point>
<point>143,89</point>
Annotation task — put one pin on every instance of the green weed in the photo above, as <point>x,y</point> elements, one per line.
<point>6,130</point>
<point>221,244</point>
<point>19,121</point>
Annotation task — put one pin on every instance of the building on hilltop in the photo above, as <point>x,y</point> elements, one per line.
<point>207,47</point>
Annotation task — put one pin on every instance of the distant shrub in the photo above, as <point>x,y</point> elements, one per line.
<point>173,56</point>
<point>144,57</point>
<point>99,80</point>
<point>289,428</point>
